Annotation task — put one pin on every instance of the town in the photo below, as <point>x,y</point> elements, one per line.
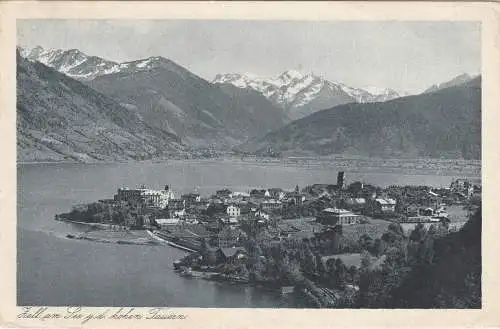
<point>316,240</point>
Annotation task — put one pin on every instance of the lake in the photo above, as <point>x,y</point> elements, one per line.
<point>56,271</point>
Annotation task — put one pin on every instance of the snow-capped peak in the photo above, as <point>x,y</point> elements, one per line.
<point>78,65</point>
<point>71,62</point>
<point>296,89</point>
<point>290,75</point>
<point>376,90</point>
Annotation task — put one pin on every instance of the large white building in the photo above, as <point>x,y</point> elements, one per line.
<point>335,216</point>
<point>385,205</point>
<point>233,211</point>
<point>146,197</point>
<point>271,205</point>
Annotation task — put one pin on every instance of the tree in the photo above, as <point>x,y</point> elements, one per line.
<point>256,272</point>
<point>418,233</point>
<point>331,271</point>
<point>353,273</point>
<point>243,271</point>
<point>366,242</point>
<point>378,247</point>
<point>308,265</point>
<point>366,261</point>
<point>294,275</point>
<point>340,273</point>
<point>320,266</point>
<point>394,234</point>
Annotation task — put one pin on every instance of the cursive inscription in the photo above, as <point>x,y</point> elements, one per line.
<point>83,315</point>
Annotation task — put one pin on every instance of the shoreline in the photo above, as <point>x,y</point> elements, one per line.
<point>112,227</point>
<point>95,225</point>
<point>170,243</point>
<point>255,157</point>
<point>99,240</point>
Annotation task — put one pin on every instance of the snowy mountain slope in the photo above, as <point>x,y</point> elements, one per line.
<point>302,94</point>
<point>80,66</point>
<point>298,94</point>
<point>458,80</point>
<point>72,62</point>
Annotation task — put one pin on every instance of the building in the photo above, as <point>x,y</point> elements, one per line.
<point>177,204</point>
<point>340,180</point>
<point>176,208</point>
<point>460,184</point>
<point>276,193</point>
<point>168,221</point>
<point>335,216</point>
<point>259,193</point>
<point>355,188</point>
<point>241,195</point>
<point>425,211</point>
<point>270,205</point>
<point>145,197</point>
<point>230,255</point>
<point>464,186</point>
<point>233,211</point>
<point>381,206</point>
<point>295,197</point>
<point>262,215</point>
<point>191,198</point>
<point>411,210</point>
<point>225,193</point>
<point>231,221</point>
<point>355,204</point>
<point>179,213</point>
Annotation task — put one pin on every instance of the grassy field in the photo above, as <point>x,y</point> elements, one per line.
<point>457,213</point>
<point>110,236</point>
<point>375,228</point>
<point>348,259</point>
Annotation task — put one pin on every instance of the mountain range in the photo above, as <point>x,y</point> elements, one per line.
<point>66,98</point>
<point>300,94</point>
<point>445,123</point>
<point>169,97</point>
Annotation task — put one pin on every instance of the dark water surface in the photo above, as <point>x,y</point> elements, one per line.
<point>54,271</point>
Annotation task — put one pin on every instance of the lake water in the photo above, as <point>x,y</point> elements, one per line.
<point>55,271</point>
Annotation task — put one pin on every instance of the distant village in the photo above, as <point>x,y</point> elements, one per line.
<point>329,204</point>
<point>223,231</point>
<point>297,214</point>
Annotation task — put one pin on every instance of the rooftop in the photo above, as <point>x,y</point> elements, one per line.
<point>228,252</point>
<point>337,211</point>
<point>271,201</point>
<point>386,201</point>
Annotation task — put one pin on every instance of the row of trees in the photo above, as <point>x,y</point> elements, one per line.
<point>291,264</point>
<point>101,212</point>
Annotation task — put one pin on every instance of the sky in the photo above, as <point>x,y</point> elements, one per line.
<point>401,55</point>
